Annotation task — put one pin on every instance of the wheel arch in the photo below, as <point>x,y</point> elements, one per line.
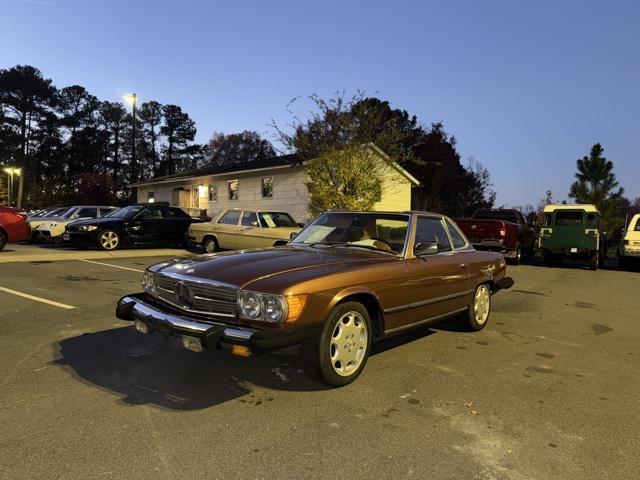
<point>366,297</point>
<point>280,243</point>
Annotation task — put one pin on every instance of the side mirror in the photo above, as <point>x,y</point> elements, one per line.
<point>301,225</point>
<point>254,224</point>
<point>425,248</point>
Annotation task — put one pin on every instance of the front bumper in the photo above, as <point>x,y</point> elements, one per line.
<point>210,334</point>
<point>79,238</point>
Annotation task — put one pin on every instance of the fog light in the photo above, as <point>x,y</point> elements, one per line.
<point>240,350</point>
<point>141,327</point>
<point>192,343</point>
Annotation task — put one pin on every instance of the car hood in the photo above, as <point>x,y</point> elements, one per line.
<point>241,268</point>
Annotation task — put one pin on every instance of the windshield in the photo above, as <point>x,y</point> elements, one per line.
<point>569,218</point>
<point>126,212</point>
<point>384,232</point>
<point>69,213</point>
<point>276,220</point>
<point>496,215</point>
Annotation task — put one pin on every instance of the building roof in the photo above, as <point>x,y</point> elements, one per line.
<point>587,207</point>
<point>281,161</point>
<point>272,162</point>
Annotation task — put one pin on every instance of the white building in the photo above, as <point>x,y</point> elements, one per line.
<point>276,183</point>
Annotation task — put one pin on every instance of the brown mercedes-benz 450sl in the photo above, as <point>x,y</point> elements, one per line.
<point>345,280</point>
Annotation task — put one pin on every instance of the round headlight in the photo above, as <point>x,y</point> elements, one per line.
<point>149,283</point>
<point>251,305</point>
<point>273,309</point>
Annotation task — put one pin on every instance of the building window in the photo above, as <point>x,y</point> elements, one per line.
<point>150,198</point>
<point>267,186</point>
<point>233,189</point>
<point>213,193</point>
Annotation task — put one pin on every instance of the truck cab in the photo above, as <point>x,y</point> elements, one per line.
<point>572,231</point>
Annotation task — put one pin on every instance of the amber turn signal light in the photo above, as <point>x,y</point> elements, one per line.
<point>240,350</point>
<point>296,306</point>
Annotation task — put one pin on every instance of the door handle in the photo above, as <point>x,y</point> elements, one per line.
<point>464,265</point>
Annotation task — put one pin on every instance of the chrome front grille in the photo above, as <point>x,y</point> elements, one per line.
<point>207,298</point>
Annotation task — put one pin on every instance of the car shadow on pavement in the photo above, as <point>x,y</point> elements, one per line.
<point>151,370</point>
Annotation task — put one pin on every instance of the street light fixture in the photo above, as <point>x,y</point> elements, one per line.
<point>10,171</point>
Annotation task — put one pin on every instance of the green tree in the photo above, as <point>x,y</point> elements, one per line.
<point>25,97</point>
<point>150,118</point>
<point>596,183</point>
<point>113,116</point>
<point>429,155</point>
<point>336,180</point>
<point>179,130</point>
<point>238,148</point>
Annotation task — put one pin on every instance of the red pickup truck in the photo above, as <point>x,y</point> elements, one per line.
<point>502,230</point>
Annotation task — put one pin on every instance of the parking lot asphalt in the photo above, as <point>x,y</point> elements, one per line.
<point>549,389</point>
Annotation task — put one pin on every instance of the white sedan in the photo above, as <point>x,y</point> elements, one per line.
<point>53,230</point>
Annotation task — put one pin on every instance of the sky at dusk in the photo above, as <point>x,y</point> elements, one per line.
<point>526,87</point>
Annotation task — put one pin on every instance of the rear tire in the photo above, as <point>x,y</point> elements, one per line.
<point>477,314</point>
<point>517,254</point>
<point>341,352</point>
<point>3,240</point>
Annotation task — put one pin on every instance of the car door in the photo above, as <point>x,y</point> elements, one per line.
<point>147,227</point>
<point>250,232</point>
<point>175,225</point>
<point>438,284</point>
<point>226,229</point>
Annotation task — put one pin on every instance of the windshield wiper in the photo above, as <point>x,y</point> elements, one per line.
<point>367,247</point>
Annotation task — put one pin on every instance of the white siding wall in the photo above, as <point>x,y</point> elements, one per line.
<point>289,192</point>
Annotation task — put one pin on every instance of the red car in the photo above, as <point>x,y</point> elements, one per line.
<point>13,226</point>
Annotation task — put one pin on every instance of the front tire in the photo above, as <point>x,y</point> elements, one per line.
<point>339,355</point>
<point>3,240</point>
<point>211,245</point>
<point>477,314</point>
<point>594,261</point>
<point>108,240</point>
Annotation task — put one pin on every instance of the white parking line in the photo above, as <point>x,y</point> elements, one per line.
<point>37,299</point>
<point>110,265</point>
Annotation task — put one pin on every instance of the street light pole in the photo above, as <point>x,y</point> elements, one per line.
<point>134,166</point>
<point>20,185</point>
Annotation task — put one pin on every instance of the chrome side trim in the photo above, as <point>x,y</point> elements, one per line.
<point>430,301</point>
<point>426,320</point>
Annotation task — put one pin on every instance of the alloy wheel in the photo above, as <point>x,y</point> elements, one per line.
<point>109,240</point>
<point>348,343</point>
<point>482,304</point>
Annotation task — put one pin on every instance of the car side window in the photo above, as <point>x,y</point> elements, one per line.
<point>249,219</point>
<point>88,212</point>
<point>230,218</point>
<point>432,230</point>
<point>457,238</point>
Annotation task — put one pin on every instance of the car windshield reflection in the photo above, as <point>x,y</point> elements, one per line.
<point>375,231</point>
